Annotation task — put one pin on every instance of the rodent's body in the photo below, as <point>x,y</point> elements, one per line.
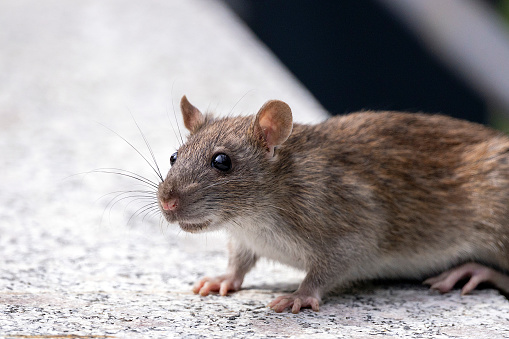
<point>409,194</point>
<point>362,196</point>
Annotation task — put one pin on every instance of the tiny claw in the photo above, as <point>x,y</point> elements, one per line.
<point>315,305</point>
<point>275,301</point>
<point>223,290</point>
<point>429,281</point>
<point>198,285</point>
<point>205,290</point>
<point>281,306</point>
<point>297,304</point>
<point>440,288</point>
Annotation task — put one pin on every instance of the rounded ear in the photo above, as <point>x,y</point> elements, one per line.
<point>273,124</point>
<point>193,118</point>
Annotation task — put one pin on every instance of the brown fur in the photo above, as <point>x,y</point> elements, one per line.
<point>362,196</point>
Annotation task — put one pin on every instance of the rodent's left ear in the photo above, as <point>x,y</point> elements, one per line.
<point>193,118</point>
<point>273,124</point>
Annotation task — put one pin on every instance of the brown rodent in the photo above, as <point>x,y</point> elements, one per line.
<point>362,196</point>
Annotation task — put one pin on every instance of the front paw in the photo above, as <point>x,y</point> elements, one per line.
<point>296,301</point>
<point>222,284</point>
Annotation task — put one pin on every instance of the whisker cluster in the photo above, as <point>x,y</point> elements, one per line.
<point>111,170</point>
<point>181,140</point>
<point>156,171</point>
<point>148,194</point>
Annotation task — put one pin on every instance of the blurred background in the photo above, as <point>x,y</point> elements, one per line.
<point>437,56</point>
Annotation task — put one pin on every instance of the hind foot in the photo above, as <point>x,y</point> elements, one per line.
<point>475,272</point>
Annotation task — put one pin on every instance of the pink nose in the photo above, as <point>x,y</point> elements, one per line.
<point>169,205</point>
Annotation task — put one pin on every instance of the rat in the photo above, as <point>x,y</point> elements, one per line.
<point>368,195</point>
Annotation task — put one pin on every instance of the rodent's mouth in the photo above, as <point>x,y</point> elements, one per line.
<point>189,224</point>
<point>194,228</point>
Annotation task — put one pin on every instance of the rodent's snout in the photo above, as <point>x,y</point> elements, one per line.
<point>168,199</point>
<point>169,205</point>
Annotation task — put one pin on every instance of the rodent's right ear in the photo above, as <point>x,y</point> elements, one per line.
<point>193,118</point>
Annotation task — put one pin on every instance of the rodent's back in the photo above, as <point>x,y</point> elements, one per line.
<point>411,182</point>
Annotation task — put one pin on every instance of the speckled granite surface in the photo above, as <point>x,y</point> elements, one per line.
<point>73,263</point>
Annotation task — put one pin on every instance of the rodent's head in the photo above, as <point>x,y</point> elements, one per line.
<point>220,173</point>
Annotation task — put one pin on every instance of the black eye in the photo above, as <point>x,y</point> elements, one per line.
<point>222,162</point>
<point>173,158</point>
